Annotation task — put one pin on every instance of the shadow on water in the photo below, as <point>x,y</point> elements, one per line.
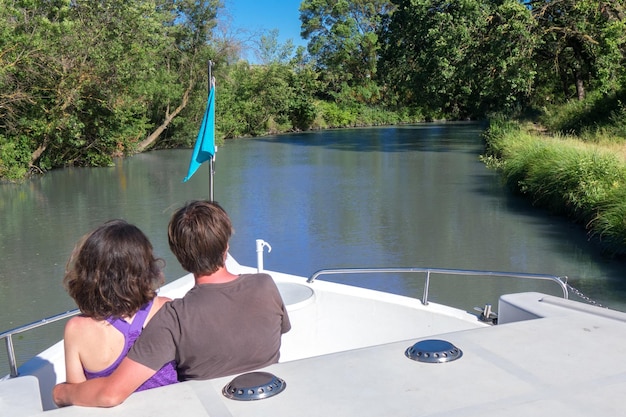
<point>563,237</point>
<point>443,137</point>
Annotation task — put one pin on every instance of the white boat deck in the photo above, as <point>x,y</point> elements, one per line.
<point>569,363</point>
<point>345,356</point>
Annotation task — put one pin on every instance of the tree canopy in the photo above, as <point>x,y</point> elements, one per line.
<point>582,44</point>
<point>84,82</point>
<point>464,57</point>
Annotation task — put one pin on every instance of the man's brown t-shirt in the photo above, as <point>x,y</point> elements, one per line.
<point>216,329</point>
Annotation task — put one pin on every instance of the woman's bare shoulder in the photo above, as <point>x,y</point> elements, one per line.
<point>81,325</point>
<point>157,304</point>
<point>160,301</point>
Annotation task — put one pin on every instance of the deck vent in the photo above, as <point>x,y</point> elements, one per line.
<point>433,351</point>
<point>254,386</point>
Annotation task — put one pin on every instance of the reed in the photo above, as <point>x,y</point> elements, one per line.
<point>583,181</point>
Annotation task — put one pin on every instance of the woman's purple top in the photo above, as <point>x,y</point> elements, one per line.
<point>131,331</point>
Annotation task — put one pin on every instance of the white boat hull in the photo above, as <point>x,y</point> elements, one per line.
<point>345,356</point>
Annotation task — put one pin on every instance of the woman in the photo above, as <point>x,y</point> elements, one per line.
<point>112,275</point>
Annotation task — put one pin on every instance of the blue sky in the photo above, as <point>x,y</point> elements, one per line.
<point>265,15</point>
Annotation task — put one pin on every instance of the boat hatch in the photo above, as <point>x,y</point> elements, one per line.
<point>254,386</point>
<point>433,351</point>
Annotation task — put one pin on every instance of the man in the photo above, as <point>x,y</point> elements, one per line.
<point>226,324</point>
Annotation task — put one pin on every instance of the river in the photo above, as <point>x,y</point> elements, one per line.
<point>373,197</point>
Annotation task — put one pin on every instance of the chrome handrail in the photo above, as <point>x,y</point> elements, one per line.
<point>561,281</point>
<point>8,335</point>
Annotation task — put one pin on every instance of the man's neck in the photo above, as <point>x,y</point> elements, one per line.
<point>218,277</point>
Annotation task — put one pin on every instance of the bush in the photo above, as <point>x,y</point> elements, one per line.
<point>336,116</point>
<point>609,226</point>
<point>14,159</point>
<point>598,118</point>
<point>582,181</point>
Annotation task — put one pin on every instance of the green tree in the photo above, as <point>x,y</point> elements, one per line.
<point>343,38</point>
<point>270,51</point>
<point>303,110</point>
<point>82,82</point>
<point>583,44</point>
<point>457,59</point>
<point>105,72</point>
<point>183,69</point>
<point>31,111</point>
<point>505,69</point>
<point>254,100</point>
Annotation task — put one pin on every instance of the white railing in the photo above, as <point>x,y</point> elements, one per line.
<point>8,335</point>
<point>560,281</point>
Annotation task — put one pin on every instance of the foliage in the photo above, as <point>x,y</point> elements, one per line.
<point>257,100</point>
<point>463,58</point>
<point>609,225</point>
<point>582,44</point>
<point>255,96</point>
<point>584,182</point>
<point>86,81</point>
<point>14,157</point>
<point>595,119</point>
<point>302,109</point>
<point>83,82</point>
<point>343,38</point>
<point>271,52</point>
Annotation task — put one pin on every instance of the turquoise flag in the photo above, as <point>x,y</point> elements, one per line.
<point>204,148</point>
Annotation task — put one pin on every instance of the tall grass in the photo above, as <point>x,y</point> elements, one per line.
<point>586,182</point>
<point>600,118</point>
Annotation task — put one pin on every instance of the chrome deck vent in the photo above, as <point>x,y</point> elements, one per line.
<point>254,386</point>
<point>433,351</point>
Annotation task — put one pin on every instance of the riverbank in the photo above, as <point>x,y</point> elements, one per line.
<point>583,181</point>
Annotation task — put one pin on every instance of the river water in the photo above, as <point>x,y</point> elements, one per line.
<point>376,197</point>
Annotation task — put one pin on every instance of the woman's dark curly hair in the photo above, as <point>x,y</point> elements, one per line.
<point>112,271</point>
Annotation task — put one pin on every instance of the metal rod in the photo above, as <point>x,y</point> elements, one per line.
<point>210,75</point>
<point>8,335</point>
<point>211,170</point>
<point>211,175</point>
<point>441,271</point>
<point>426,289</point>
<point>11,353</point>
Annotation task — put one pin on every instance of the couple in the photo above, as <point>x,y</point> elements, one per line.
<point>112,274</point>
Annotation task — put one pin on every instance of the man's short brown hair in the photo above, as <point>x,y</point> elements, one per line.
<point>198,235</point>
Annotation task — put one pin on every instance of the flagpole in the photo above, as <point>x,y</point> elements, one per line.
<point>211,161</point>
<point>204,148</point>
